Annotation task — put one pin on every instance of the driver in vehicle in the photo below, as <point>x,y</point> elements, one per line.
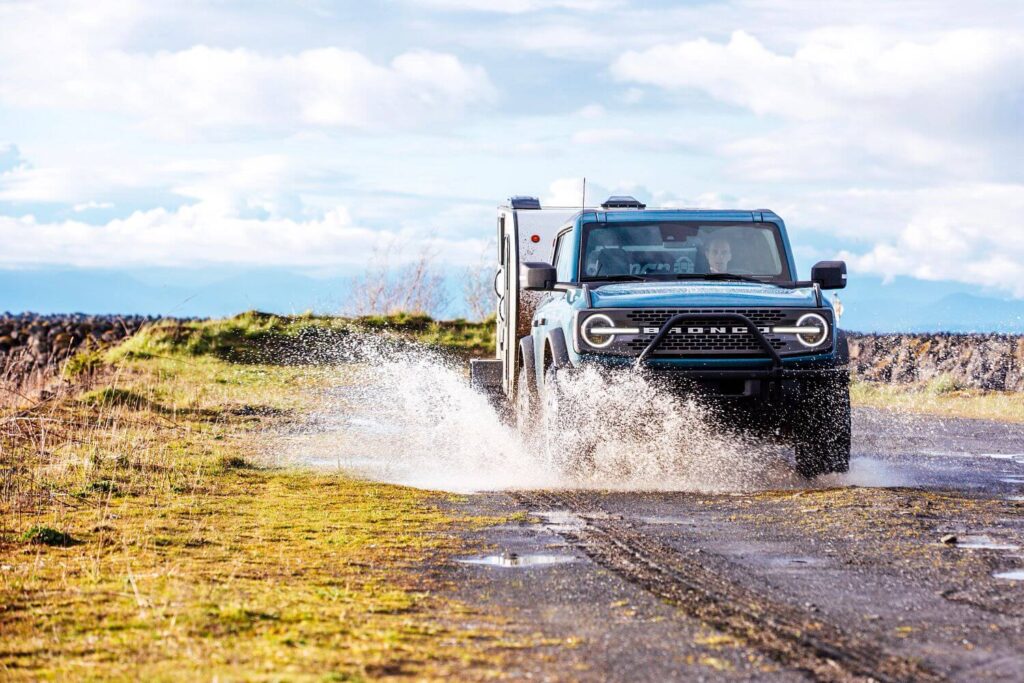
<point>718,254</point>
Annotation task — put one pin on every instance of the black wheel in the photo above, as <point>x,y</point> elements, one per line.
<point>526,401</point>
<point>526,389</point>
<point>822,429</point>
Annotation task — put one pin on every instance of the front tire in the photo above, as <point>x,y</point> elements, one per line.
<point>823,430</point>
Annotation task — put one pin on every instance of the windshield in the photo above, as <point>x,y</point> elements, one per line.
<point>667,250</point>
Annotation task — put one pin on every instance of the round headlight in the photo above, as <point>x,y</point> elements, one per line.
<point>812,339</point>
<point>598,341</point>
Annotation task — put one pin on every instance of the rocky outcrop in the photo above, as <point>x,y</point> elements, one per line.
<point>32,342</point>
<point>979,361</point>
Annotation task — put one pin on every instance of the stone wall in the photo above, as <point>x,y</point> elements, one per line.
<point>30,342</point>
<point>981,361</point>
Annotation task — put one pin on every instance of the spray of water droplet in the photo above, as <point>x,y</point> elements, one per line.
<point>402,413</point>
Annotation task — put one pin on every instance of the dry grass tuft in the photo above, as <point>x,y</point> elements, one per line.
<point>941,397</point>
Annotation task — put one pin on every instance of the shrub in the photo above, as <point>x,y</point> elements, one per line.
<point>44,535</point>
<point>945,383</point>
<point>83,363</point>
<point>234,462</point>
<point>112,396</point>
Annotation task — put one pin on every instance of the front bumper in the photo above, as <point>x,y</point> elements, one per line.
<point>729,381</point>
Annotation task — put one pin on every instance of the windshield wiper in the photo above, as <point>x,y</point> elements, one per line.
<point>724,276</point>
<point>614,278</point>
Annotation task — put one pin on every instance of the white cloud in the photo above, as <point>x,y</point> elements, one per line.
<point>91,205</point>
<point>27,183</point>
<point>633,96</point>
<point>73,59</point>
<point>967,233</point>
<point>569,192</point>
<point>591,111</point>
<point>853,98</point>
<point>851,151</point>
<point>836,72</point>
<point>517,6</point>
<point>202,234</point>
<point>660,141</point>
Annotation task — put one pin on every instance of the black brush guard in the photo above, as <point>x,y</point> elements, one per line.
<point>772,354</point>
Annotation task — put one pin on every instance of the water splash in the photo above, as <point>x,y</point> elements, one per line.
<point>407,415</point>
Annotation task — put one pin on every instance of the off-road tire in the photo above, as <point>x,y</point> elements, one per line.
<point>526,402</point>
<point>822,428</point>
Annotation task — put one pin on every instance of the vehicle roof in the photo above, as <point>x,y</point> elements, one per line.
<point>640,214</point>
<point>699,214</point>
<point>643,215</point>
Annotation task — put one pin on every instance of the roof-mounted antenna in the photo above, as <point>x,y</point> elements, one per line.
<point>583,203</point>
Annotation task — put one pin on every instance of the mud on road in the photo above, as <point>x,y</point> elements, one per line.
<point>902,570</point>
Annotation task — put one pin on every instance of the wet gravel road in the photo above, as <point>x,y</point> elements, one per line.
<point>910,567</point>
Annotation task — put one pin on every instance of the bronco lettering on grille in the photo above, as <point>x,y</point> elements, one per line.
<point>707,330</point>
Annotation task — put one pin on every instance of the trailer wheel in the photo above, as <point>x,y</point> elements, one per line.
<point>822,433</point>
<point>526,401</point>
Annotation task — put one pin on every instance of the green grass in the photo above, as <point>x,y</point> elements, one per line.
<point>941,396</point>
<point>145,532</point>
<point>255,337</point>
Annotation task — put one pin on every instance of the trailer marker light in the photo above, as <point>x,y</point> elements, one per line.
<point>535,238</point>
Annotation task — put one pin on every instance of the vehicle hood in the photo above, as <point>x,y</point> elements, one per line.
<point>697,294</point>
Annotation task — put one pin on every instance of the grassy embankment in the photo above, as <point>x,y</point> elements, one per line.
<point>144,537</point>
<point>940,397</point>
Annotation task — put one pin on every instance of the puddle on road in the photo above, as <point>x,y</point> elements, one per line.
<point>1015,575</point>
<point>516,561</point>
<point>666,520</point>
<point>560,520</point>
<point>1015,457</point>
<point>865,472</point>
<point>982,542</point>
<point>794,562</point>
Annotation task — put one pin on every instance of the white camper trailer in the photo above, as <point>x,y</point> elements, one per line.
<point>526,233</point>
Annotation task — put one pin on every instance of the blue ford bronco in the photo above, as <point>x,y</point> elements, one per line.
<point>706,301</point>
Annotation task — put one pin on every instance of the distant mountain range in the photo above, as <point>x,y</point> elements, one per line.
<point>909,305</point>
<point>171,293</point>
<point>904,305</point>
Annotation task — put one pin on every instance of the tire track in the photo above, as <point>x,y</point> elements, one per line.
<point>698,583</point>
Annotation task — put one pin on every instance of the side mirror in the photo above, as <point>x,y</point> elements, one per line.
<point>537,276</point>
<point>829,274</point>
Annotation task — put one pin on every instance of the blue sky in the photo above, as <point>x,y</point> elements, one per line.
<point>303,135</point>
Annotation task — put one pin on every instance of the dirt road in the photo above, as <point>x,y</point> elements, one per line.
<point>903,569</point>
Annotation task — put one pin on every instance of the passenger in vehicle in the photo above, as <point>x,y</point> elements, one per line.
<point>719,254</point>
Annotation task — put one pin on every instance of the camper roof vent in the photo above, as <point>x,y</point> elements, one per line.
<point>524,202</point>
<point>622,202</point>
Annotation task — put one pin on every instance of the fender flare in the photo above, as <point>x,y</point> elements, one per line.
<point>842,348</point>
<point>559,350</point>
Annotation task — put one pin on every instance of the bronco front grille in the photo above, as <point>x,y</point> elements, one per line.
<point>684,344</point>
